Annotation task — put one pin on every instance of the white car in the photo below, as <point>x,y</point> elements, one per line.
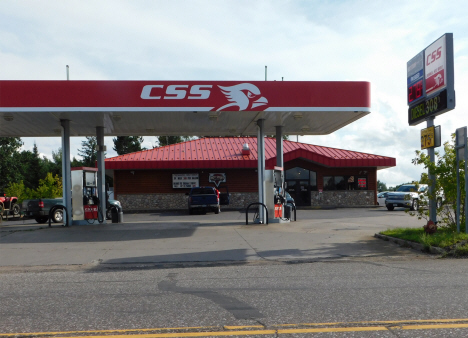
<point>381,197</point>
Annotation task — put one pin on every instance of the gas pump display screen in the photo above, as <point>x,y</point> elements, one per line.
<point>90,179</point>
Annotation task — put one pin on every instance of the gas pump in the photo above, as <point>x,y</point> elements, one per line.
<point>85,200</point>
<point>275,195</point>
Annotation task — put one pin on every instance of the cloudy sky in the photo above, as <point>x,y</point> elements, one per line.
<point>234,40</point>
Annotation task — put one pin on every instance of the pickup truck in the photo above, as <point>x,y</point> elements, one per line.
<point>206,199</point>
<point>39,209</point>
<point>408,196</point>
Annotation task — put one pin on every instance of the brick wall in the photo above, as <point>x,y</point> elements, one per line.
<point>345,198</point>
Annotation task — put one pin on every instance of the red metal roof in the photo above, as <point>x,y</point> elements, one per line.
<point>226,152</point>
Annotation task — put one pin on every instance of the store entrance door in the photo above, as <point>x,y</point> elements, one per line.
<point>300,191</point>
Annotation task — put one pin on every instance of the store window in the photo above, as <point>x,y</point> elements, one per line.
<point>301,174</point>
<point>344,183</point>
<point>297,173</point>
<point>313,180</point>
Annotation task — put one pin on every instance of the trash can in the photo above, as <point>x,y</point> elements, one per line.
<point>115,215</point>
<point>287,211</point>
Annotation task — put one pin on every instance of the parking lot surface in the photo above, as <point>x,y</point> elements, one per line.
<point>179,238</point>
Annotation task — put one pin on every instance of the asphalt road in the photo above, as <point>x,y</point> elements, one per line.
<point>166,275</point>
<point>378,294</point>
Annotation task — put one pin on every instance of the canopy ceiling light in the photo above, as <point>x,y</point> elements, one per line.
<point>297,116</point>
<point>8,118</point>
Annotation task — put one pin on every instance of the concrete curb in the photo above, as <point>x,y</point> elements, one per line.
<point>415,246</point>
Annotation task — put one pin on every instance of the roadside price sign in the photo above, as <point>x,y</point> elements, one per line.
<point>430,137</point>
<point>427,138</point>
<point>430,84</point>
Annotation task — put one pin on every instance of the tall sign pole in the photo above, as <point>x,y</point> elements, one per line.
<point>430,85</point>
<point>432,178</point>
<point>461,152</point>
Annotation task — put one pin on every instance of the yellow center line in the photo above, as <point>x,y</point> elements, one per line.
<point>250,330</point>
<point>435,326</point>
<point>377,322</point>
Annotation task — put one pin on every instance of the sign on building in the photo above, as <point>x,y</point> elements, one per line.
<point>217,178</point>
<point>181,181</point>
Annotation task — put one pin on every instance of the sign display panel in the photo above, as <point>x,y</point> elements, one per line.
<point>419,112</point>
<point>430,84</point>
<point>460,142</point>
<point>183,181</point>
<point>435,72</point>
<point>217,178</point>
<point>362,182</point>
<point>415,77</point>
<point>430,137</point>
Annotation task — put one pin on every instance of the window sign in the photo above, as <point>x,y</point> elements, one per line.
<point>181,181</point>
<point>362,182</point>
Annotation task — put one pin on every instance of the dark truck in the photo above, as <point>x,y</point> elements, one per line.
<point>206,199</point>
<point>39,209</point>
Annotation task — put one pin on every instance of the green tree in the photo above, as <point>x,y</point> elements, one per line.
<point>127,144</point>
<point>445,171</point>
<point>49,187</point>
<point>381,186</point>
<point>18,190</point>
<point>55,166</point>
<point>32,167</point>
<point>10,169</point>
<point>167,140</point>
<point>89,151</point>
<point>424,178</point>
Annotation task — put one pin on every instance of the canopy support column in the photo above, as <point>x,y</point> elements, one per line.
<point>261,168</point>
<point>279,146</point>
<point>101,174</point>
<point>66,171</point>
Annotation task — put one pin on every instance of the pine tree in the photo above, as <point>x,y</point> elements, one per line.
<point>9,167</point>
<point>89,151</point>
<point>127,144</point>
<point>167,140</point>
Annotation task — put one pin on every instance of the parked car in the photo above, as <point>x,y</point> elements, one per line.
<point>206,199</point>
<point>290,200</point>
<point>381,197</point>
<point>409,196</point>
<point>406,196</point>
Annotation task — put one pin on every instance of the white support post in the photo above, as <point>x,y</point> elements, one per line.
<point>66,171</point>
<point>261,168</point>
<point>101,174</point>
<point>279,146</point>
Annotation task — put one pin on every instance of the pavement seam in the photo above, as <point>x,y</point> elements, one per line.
<point>256,252</point>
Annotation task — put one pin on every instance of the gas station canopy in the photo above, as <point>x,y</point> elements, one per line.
<point>207,108</point>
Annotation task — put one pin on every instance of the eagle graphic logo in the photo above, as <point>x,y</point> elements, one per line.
<point>245,96</point>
